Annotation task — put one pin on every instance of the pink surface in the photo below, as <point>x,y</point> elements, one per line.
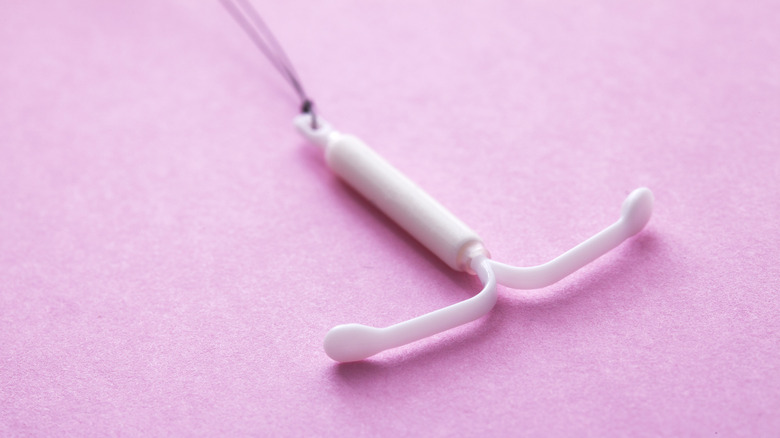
<point>172,253</point>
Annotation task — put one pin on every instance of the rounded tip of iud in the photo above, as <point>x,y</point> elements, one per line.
<point>637,209</point>
<point>318,130</point>
<point>352,342</point>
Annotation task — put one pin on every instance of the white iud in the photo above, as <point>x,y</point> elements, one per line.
<point>450,239</point>
<point>425,219</point>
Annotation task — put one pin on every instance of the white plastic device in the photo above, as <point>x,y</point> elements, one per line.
<point>450,239</point>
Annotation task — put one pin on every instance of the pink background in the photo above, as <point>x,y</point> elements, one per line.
<point>172,252</point>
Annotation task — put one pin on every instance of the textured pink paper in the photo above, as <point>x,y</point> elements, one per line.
<point>172,253</point>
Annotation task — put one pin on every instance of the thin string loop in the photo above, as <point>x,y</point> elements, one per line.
<point>247,17</point>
